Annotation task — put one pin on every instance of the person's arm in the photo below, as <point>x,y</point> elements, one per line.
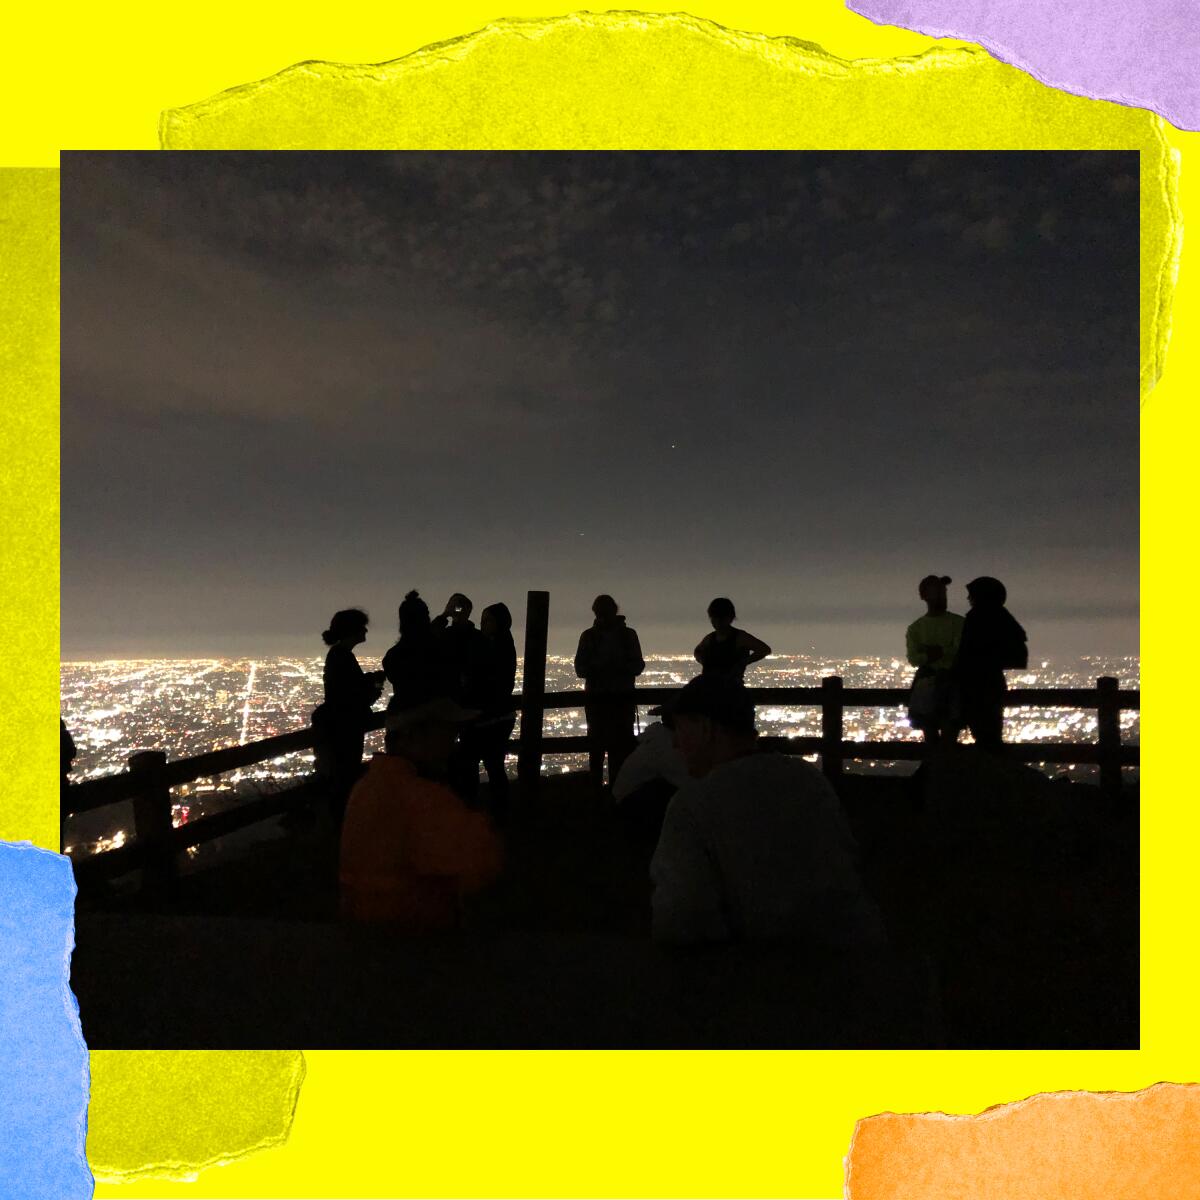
<point>637,664</point>
<point>702,648</point>
<point>583,656</point>
<point>756,649</point>
<point>950,652</point>
<point>914,649</point>
<point>686,904</point>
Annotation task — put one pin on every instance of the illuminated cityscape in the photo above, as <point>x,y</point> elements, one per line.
<point>189,706</point>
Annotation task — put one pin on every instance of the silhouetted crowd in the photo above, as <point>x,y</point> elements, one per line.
<point>746,844</point>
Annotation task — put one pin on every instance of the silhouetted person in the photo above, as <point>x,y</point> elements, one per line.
<point>756,846</point>
<point>486,738</point>
<point>67,755</point>
<point>349,693</point>
<point>727,651</point>
<point>410,850</point>
<point>608,660</point>
<point>931,643</point>
<point>648,778</point>
<point>992,642</point>
<point>460,646</point>
<point>414,666</point>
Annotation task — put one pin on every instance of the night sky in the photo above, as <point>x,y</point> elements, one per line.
<point>296,382</point>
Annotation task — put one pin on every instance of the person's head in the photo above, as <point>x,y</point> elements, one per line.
<point>932,589</point>
<point>604,608</point>
<point>414,614</point>
<point>348,627</point>
<point>426,733</point>
<point>495,620</point>
<point>713,721</point>
<point>986,592</point>
<point>460,608</point>
<point>721,613</point>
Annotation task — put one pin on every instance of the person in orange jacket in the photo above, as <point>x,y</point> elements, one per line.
<point>411,850</point>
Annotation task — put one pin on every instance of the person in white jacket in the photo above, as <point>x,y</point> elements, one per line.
<point>756,846</point>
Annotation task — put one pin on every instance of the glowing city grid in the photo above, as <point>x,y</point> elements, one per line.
<point>189,706</point>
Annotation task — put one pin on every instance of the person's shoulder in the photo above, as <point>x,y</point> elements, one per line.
<point>785,772</point>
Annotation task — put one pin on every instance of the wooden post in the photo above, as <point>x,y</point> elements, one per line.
<point>1108,730</point>
<point>152,823</point>
<point>533,691</point>
<point>831,727</point>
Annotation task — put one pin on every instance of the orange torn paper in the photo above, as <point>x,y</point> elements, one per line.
<point>1077,1145</point>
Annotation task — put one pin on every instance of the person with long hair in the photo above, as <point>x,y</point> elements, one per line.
<point>608,660</point>
<point>727,651</point>
<point>341,720</point>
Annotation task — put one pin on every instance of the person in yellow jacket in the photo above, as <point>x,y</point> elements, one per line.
<point>411,850</point>
<point>932,642</point>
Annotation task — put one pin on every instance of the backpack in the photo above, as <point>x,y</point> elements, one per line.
<point>1015,652</point>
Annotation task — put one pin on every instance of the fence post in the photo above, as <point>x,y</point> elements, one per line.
<point>831,727</point>
<point>152,823</point>
<point>1108,730</point>
<point>533,691</point>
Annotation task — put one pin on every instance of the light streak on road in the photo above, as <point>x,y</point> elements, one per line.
<point>246,706</point>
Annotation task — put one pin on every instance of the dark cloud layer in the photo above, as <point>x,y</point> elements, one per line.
<point>293,382</point>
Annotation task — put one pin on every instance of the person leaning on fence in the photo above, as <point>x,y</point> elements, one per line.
<point>341,721</point>
<point>992,642</point>
<point>608,660</point>
<point>411,851</point>
<point>931,643</point>
<point>728,651</point>
<point>756,846</point>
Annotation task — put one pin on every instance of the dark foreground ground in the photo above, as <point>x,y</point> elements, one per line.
<point>1012,905</point>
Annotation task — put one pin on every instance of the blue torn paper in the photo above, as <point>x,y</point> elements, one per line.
<point>43,1058</point>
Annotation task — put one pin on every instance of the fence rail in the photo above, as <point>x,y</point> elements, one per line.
<point>150,777</point>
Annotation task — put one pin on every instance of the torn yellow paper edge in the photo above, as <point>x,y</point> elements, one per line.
<point>642,81</point>
<point>194,1109</point>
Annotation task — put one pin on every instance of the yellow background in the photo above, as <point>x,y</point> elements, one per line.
<point>569,1123</point>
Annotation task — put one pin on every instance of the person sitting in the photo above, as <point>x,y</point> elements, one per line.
<point>648,779</point>
<point>931,644</point>
<point>728,651</point>
<point>756,846</point>
<point>411,851</point>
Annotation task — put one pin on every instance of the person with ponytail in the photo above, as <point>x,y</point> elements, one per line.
<point>415,666</point>
<point>349,694</point>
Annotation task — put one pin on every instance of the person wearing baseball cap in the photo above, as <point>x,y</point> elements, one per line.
<point>756,846</point>
<point>411,850</point>
<point>932,642</point>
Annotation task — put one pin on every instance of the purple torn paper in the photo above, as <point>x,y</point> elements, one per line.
<point>1143,53</point>
<point>43,1058</point>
